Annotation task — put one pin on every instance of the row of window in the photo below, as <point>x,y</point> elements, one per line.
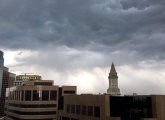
<point>17,83</point>
<point>28,77</point>
<point>83,110</point>
<point>33,105</point>
<point>33,113</point>
<point>43,83</point>
<point>14,118</point>
<point>67,118</point>
<point>33,95</point>
<point>69,92</point>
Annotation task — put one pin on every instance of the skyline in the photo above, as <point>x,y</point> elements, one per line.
<point>75,42</point>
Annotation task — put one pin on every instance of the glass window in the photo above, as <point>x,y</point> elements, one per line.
<point>22,96</point>
<point>90,110</point>
<point>15,93</point>
<point>97,111</point>
<point>45,95</point>
<point>53,95</point>
<point>69,92</point>
<point>72,109</point>
<point>27,95</point>
<point>78,109</point>
<point>18,95</point>
<point>35,95</point>
<point>68,108</point>
<point>83,110</point>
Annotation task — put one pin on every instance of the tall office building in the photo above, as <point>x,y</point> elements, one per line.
<point>8,79</point>
<point>113,82</point>
<point>12,77</point>
<point>3,90</point>
<point>1,83</point>
<point>1,70</point>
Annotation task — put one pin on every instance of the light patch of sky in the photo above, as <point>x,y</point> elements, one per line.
<point>11,57</point>
<point>132,79</point>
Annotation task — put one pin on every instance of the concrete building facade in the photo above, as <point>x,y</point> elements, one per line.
<point>37,100</point>
<point>84,107</point>
<point>106,107</point>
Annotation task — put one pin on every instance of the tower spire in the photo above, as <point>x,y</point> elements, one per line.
<point>113,70</point>
<point>113,81</point>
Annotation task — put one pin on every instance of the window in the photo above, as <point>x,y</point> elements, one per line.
<point>35,95</point>
<point>22,96</point>
<point>45,95</point>
<point>78,109</point>
<point>53,95</point>
<point>97,111</point>
<point>33,113</point>
<point>28,95</point>
<point>69,92</point>
<point>84,110</point>
<point>43,83</point>
<point>15,93</point>
<point>68,108</point>
<point>33,105</point>
<point>90,111</point>
<point>72,109</point>
<point>18,95</point>
<point>65,118</point>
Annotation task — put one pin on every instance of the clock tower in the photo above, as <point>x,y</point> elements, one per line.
<point>113,82</point>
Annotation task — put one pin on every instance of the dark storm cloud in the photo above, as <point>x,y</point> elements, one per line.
<point>75,41</point>
<point>134,29</point>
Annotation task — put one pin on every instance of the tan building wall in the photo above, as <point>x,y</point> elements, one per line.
<point>149,119</point>
<point>158,103</point>
<point>87,101</point>
<point>156,108</point>
<point>35,100</point>
<point>68,90</point>
<point>114,118</point>
<point>18,107</point>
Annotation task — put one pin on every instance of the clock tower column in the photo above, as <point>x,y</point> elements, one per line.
<point>113,82</point>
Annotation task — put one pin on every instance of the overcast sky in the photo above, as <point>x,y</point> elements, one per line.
<point>74,42</point>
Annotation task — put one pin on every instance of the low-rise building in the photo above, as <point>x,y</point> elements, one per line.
<point>107,107</point>
<point>34,100</point>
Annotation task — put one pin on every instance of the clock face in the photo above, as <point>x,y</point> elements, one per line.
<point>113,81</point>
<point>114,76</point>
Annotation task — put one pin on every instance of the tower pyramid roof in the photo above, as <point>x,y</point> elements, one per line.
<point>113,70</point>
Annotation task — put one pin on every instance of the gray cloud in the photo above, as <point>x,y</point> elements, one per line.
<point>76,23</point>
<point>76,34</point>
<point>97,26</point>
